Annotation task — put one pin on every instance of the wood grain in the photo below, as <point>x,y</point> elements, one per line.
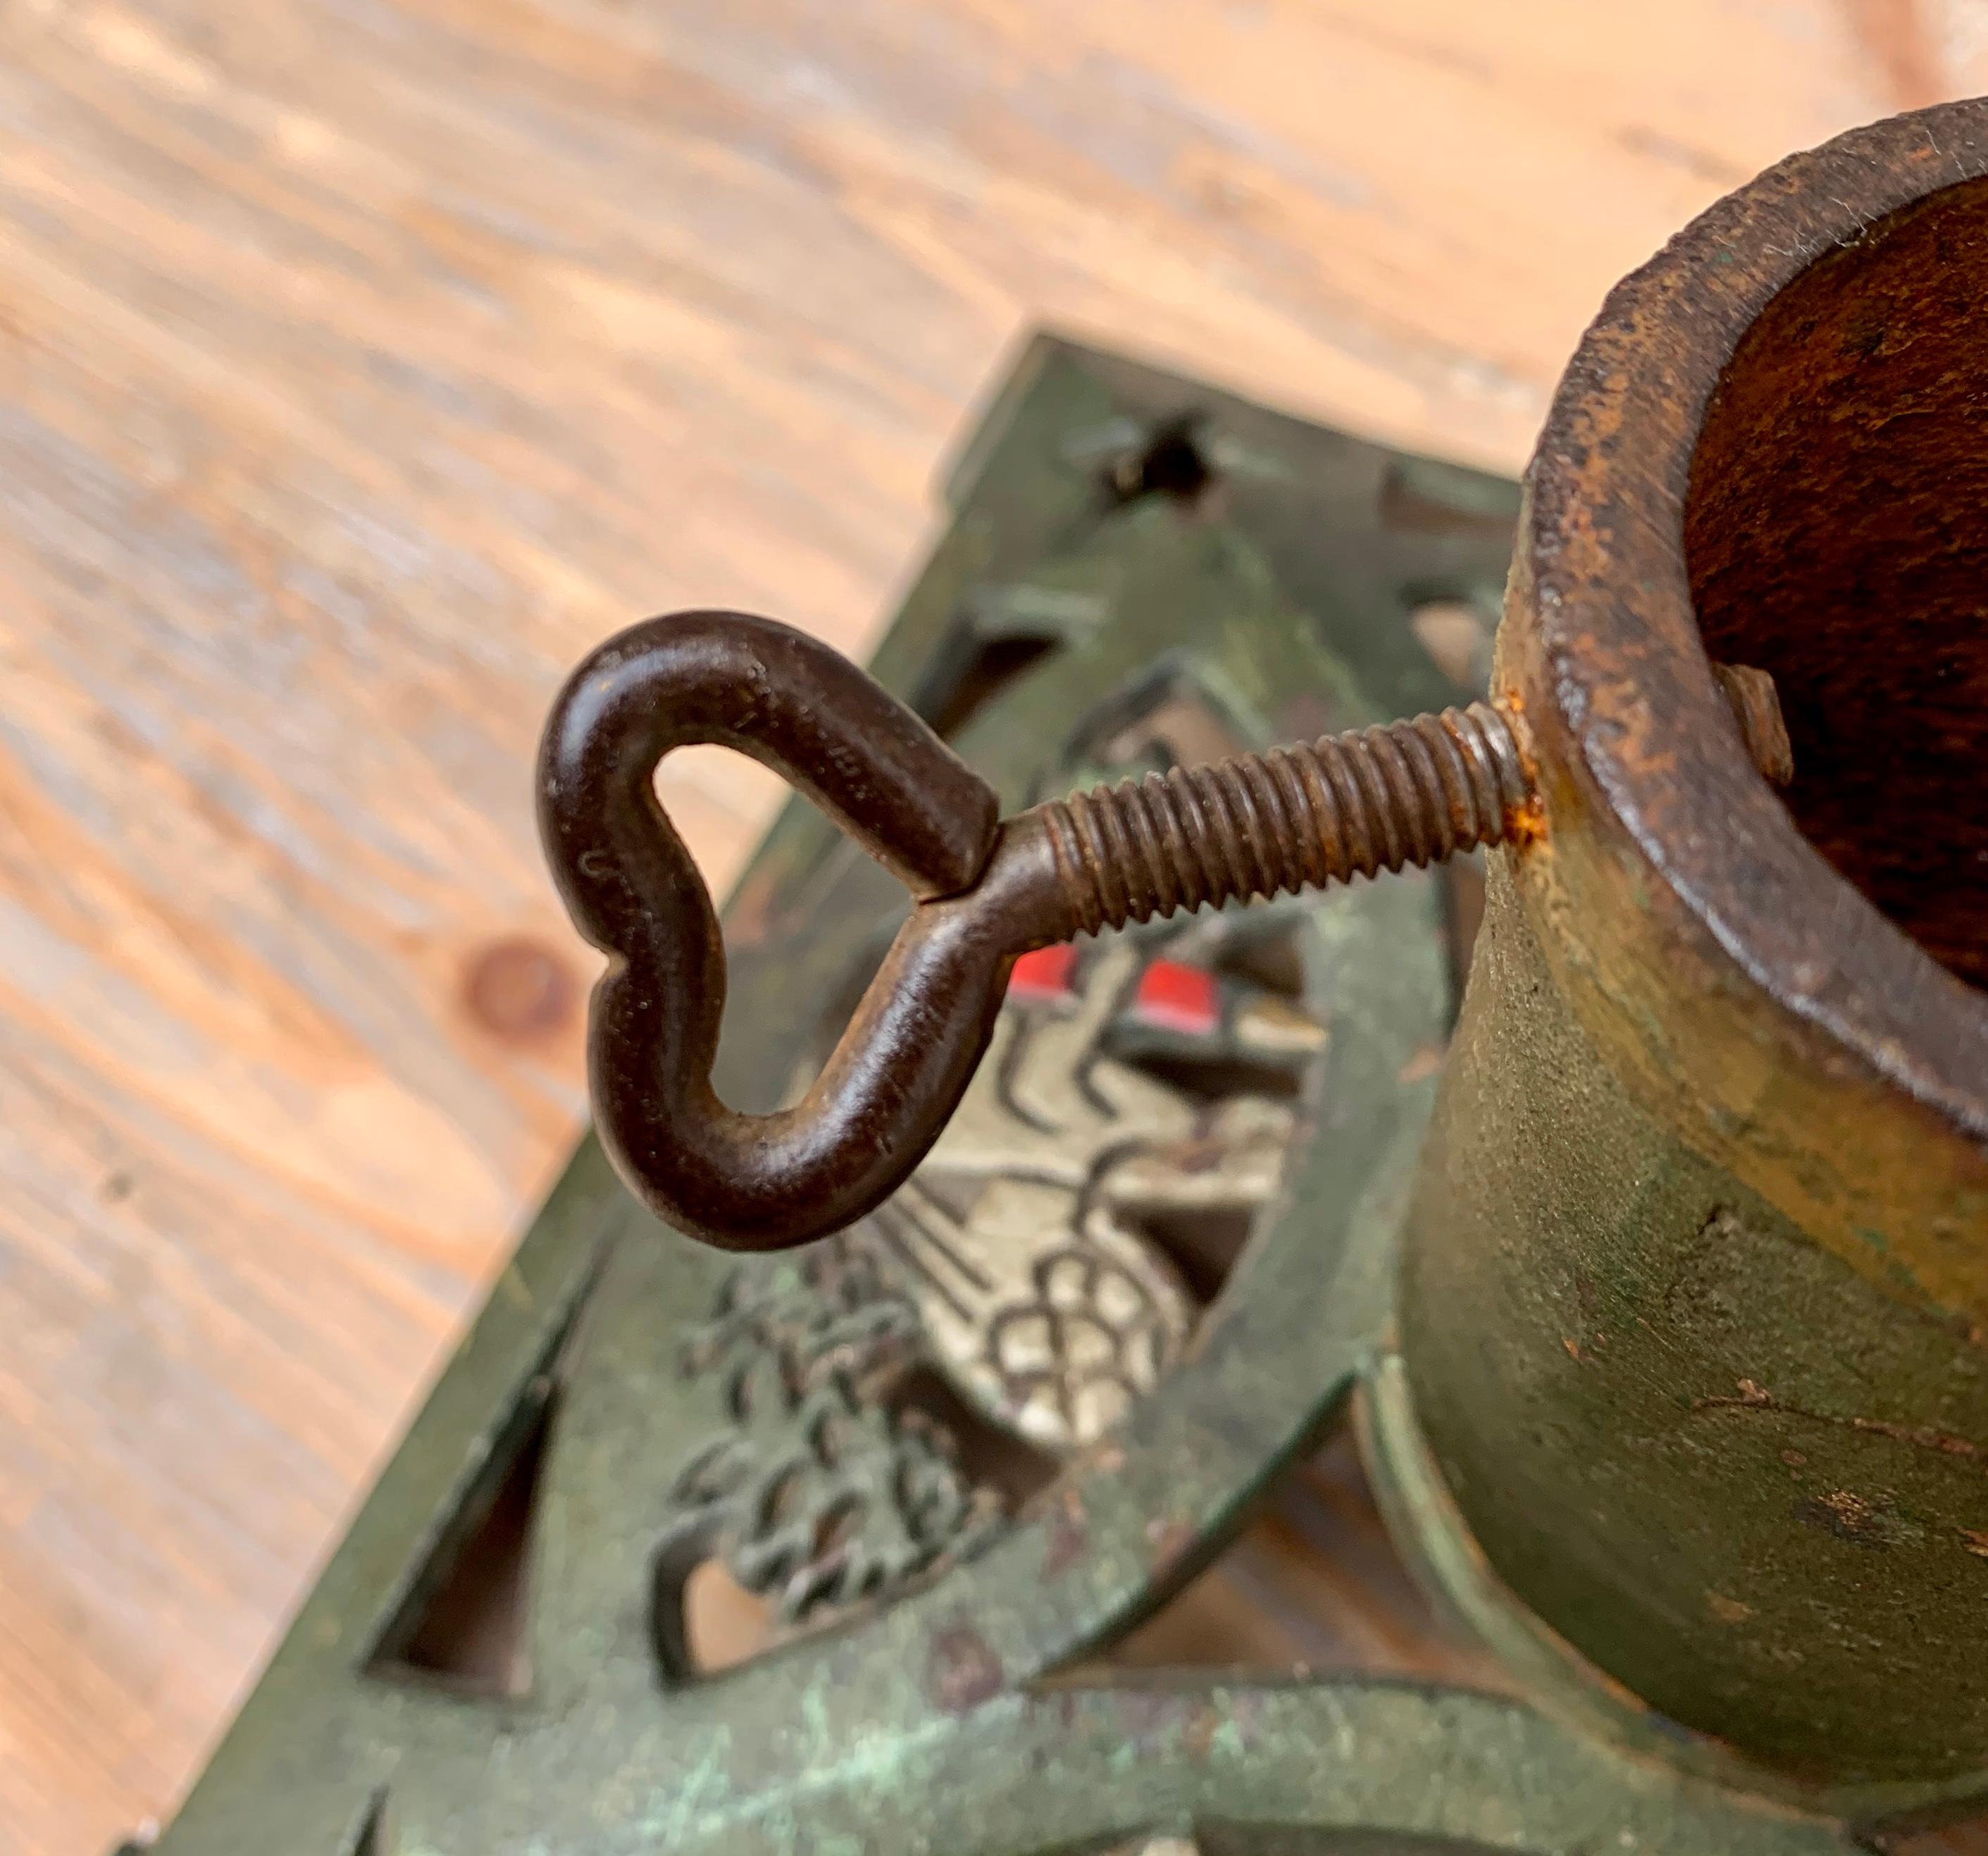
<point>363,361</point>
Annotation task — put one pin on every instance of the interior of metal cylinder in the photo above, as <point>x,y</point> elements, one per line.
<point>1836,535</point>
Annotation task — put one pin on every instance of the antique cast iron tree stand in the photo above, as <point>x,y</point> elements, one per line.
<point>1663,1314</point>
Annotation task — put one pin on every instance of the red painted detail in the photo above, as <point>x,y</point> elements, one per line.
<point>1176,997</point>
<point>1046,973</point>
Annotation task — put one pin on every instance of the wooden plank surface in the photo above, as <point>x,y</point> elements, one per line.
<point>361,363</point>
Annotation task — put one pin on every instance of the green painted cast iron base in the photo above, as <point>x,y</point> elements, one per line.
<point>924,1474</point>
<point>1638,1425</point>
<point>1423,1518</point>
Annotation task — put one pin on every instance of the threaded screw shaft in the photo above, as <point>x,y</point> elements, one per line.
<point>1410,792</point>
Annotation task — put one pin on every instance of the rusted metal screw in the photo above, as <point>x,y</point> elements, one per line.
<point>987,890</point>
<point>1349,805</point>
<point>1413,792</point>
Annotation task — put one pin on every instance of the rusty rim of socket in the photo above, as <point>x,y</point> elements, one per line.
<point>1728,469</point>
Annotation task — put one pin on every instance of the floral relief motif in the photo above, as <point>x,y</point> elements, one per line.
<point>1137,1087</point>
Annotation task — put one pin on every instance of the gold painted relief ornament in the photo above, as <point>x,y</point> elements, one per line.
<point>1028,1240</point>
<point>1046,1266</point>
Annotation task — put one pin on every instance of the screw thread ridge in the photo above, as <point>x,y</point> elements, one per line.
<point>1408,792</point>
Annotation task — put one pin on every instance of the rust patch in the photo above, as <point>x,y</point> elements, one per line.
<point>964,1672</point>
<point>1750,695</point>
<point>1526,825</point>
<point>1855,1519</point>
<point>1755,1397</point>
<point>519,990</point>
<point>1923,1436</point>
